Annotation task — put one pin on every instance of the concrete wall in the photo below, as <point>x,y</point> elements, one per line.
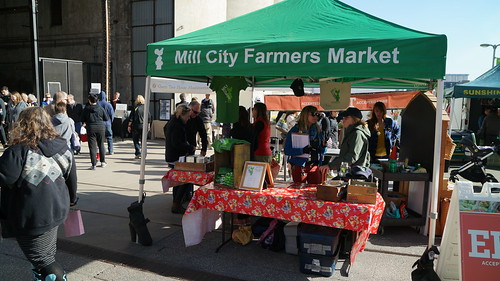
<point>236,8</point>
<point>192,15</point>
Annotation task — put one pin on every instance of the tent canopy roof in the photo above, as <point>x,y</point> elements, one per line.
<point>313,40</point>
<point>485,86</point>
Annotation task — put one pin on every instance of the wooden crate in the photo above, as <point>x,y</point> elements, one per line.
<point>362,192</point>
<point>234,159</point>
<point>329,191</point>
<point>194,167</point>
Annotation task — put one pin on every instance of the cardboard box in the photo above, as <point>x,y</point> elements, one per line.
<point>362,192</point>
<point>194,167</point>
<point>291,232</point>
<point>395,197</point>
<point>329,191</point>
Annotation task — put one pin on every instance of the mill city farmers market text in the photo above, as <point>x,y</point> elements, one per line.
<point>250,55</point>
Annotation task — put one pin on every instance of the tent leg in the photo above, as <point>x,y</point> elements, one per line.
<point>437,161</point>
<point>144,144</point>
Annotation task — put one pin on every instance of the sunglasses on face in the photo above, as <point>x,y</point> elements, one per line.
<point>316,114</point>
<point>195,112</point>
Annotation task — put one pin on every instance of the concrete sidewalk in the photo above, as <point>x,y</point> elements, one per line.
<point>105,252</point>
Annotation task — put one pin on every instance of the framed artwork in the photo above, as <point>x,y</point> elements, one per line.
<point>254,175</point>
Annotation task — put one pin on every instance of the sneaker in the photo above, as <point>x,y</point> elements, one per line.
<point>103,164</point>
<point>109,153</point>
<point>92,168</point>
<point>137,157</point>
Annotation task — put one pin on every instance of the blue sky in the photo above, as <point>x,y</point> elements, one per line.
<point>467,24</point>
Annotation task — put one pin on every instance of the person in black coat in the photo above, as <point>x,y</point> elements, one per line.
<point>93,118</point>
<point>176,145</point>
<point>135,124</point>
<point>36,199</point>
<point>242,129</point>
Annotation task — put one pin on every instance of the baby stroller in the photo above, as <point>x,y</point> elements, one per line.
<point>474,170</point>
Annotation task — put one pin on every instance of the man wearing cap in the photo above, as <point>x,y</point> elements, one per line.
<point>354,147</point>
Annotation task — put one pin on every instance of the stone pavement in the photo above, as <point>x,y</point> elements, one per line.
<point>105,252</point>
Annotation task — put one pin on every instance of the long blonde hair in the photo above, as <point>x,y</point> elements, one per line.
<point>33,125</point>
<point>303,118</point>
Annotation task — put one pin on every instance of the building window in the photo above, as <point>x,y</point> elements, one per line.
<point>152,21</point>
<point>55,12</point>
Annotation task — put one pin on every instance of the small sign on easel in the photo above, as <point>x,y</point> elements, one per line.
<point>254,176</point>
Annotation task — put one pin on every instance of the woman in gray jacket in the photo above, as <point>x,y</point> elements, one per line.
<point>354,147</point>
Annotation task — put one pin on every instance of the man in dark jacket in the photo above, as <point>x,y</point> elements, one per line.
<point>206,114</point>
<point>111,114</point>
<point>93,117</point>
<point>195,126</point>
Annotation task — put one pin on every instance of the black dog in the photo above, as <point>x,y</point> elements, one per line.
<point>425,266</point>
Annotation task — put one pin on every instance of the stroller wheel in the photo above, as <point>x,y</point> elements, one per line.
<point>489,178</point>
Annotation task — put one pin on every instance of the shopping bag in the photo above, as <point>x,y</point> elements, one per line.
<point>75,142</point>
<point>73,225</point>
<point>83,134</point>
<point>275,169</point>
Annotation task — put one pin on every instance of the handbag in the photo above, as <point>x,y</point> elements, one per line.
<point>73,225</point>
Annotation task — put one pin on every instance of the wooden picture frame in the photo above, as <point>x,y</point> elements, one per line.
<point>254,175</point>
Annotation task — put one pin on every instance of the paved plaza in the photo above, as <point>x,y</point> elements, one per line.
<point>105,252</point>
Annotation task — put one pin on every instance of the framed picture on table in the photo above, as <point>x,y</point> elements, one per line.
<point>254,176</point>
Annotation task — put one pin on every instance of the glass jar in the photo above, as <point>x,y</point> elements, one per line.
<point>344,169</point>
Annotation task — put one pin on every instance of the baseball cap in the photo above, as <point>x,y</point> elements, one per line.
<point>351,111</point>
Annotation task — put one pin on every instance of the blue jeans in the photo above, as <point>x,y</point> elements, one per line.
<point>137,139</point>
<point>109,137</point>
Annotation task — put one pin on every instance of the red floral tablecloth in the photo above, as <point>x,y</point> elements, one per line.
<point>175,177</point>
<point>296,202</point>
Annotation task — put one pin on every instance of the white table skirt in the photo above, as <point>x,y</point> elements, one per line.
<point>196,224</point>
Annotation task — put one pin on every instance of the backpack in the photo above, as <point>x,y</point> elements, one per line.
<point>271,233</point>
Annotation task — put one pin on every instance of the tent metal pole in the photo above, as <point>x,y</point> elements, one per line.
<point>437,161</point>
<point>144,143</point>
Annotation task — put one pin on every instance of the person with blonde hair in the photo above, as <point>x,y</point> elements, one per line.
<point>177,145</point>
<point>17,106</point>
<point>306,160</point>
<point>135,124</point>
<point>35,199</point>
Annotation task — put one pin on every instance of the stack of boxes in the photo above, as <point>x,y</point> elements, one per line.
<point>291,231</point>
<point>318,249</point>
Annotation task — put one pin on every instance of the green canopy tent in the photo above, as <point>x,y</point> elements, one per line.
<point>485,86</point>
<point>321,40</point>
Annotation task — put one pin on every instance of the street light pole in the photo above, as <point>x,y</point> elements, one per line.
<point>485,45</point>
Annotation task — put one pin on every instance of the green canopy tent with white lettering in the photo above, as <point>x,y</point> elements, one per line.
<point>320,40</point>
<point>485,86</point>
